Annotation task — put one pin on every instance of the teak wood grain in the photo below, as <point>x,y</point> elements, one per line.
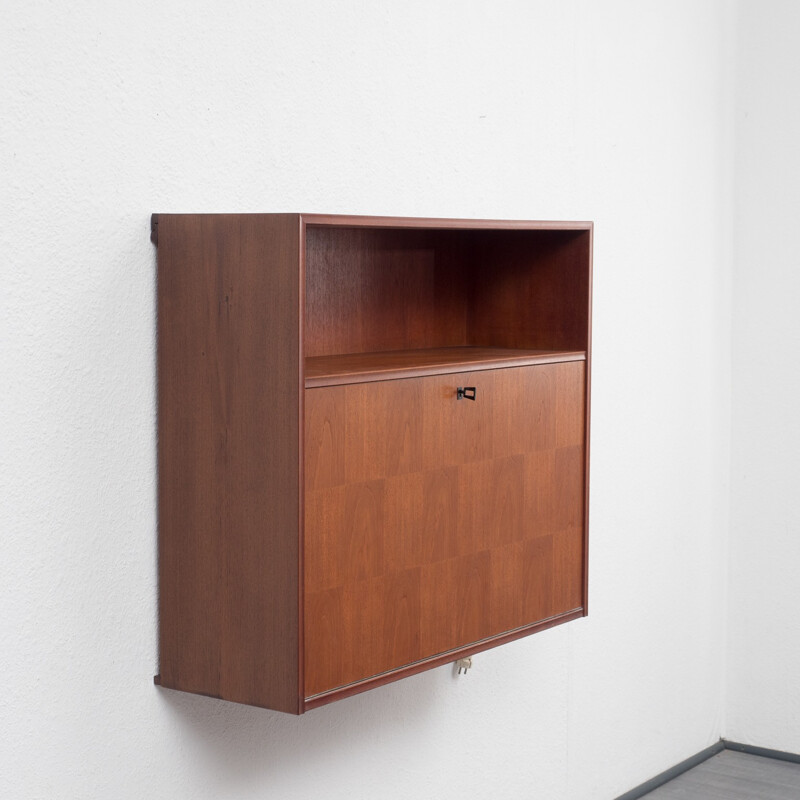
<point>536,290</point>
<point>229,378</point>
<point>390,364</point>
<point>331,517</point>
<point>374,289</point>
<point>433,522</point>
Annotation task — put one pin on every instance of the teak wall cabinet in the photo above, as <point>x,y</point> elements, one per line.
<point>373,446</point>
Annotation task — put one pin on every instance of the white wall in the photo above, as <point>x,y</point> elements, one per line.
<point>764,691</point>
<point>613,111</point>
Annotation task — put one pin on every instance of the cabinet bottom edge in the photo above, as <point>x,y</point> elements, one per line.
<point>341,692</point>
<point>284,707</point>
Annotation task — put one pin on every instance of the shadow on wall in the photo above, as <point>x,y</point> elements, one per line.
<point>238,741</point>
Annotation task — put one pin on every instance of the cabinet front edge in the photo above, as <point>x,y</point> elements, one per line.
<point>346,220</point>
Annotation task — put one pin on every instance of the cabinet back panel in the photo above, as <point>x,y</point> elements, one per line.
<point>373,289</point>
<point>530,289</point>
<point>431,522</point>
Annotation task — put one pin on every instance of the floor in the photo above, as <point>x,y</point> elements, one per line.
<point>734,776</point>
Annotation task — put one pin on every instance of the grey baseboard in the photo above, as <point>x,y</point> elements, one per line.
<point>673,772</point>
<point>765,752</point>
<point>699,758</point>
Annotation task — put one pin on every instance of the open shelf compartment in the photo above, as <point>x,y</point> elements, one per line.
<point>392,302</point>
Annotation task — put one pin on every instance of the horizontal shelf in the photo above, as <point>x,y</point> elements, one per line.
<point>395,364</point>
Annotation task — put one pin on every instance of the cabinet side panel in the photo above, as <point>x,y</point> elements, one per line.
<point>190,557</point>
<point>229,456</point>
